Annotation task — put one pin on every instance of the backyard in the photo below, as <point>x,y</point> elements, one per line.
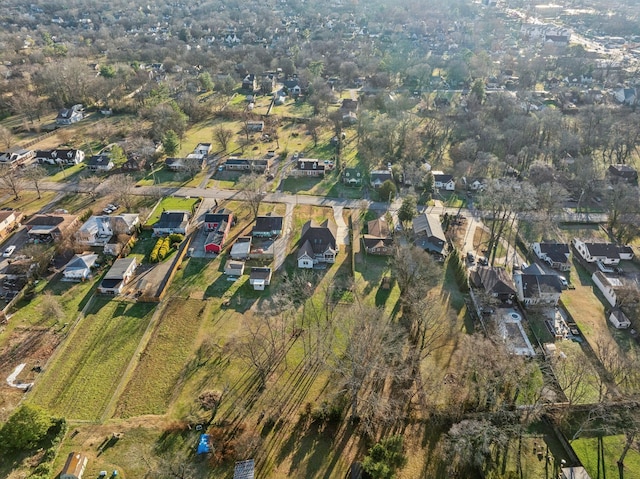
<point>86,371</point>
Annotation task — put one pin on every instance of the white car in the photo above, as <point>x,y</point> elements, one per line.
<point>9,251</point>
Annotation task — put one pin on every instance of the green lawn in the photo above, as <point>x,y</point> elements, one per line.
<point>161,369</point>
<point>586,449</point>
<point>80,381</point>
<point>61,174</point>
<point>28,203</point>
<point>171,203</point>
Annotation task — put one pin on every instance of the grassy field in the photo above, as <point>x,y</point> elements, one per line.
<point>161,368</point>
<point>171,203</point>
<point>28,203</point>
<point>587,448</point>
<point>85,373</point>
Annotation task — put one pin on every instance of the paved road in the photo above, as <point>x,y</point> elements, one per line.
<point>220,194</point>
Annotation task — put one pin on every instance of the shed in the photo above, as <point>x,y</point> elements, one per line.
<point>619,319</point>
<point>259,278</point>
<point>234,268</point>
<point>74,467</point>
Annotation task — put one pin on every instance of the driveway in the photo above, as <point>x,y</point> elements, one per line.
<point>343,229</point>
<point>282,244</point>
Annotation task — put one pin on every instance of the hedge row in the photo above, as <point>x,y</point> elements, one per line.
<point>163,247</point>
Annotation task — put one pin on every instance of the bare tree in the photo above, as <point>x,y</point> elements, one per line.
<point>252,189</point>
<point>211,401</point>
<point>263,344</point>
<point>222,136</point>
<point>50,307</point>
<point>122,187</point>
<point>36,174</point>
<point>370,360</point>
<point>6,137</point>
<point>11,180</point>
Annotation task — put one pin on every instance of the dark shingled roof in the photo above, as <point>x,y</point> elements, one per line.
<point>320,236</point>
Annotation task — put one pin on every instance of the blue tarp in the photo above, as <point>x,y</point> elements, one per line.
<point>204,446</point>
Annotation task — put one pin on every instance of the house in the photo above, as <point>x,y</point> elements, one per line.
<point>626,96</point>
<point>534,287</point>
<point>255,126</point>
<point>218,225</point>
<point>443,182</point>
<point>619,319</point>
<point>249,82</point>
<point>98,230</point>
<point>241,248</point>
<point>378,240</point>
<point>190,163</point>
<point>605,253</point>
<point>245,164</point>
<point>100,163</point>
<point>429,235</point>
<point>74,467</point>
<point>477,184</point>
<point>134,163</point>
<point>79,267</point>
<point>17,157</point>
<point>318,244</point>
<point>118,276</point>
<point>349,105</point>
<point>292,88</point>
<point>60,156</point>
<point>202,149</point>
<point>234,268</point>
<point>268,226</point>
<point>259,278</point>
<point>47,228</point>
<point>378,177</point>
<point>309,167</point>
<point>67,116</point>
<point>555,255</point>
<point>9,220</point>
<point>622,172</point>
<point>494,281</point>
<point>171,222</point>
<point>352,177</point>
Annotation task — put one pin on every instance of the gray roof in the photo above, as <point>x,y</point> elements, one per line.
<point>82,261</point>
<point>120,266</point>
<point>428,224</point>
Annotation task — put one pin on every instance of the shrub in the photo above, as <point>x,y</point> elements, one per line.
<point>176,238</point>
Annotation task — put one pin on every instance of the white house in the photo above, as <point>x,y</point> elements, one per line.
<point>98,230</point>
<point>443,182</point>
<point>60,156</point>
<point>555,255</point>
<point>606,253</point>
<point>79,268</point>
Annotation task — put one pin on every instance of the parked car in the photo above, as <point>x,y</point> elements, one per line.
<point>563,281</point>
<point>9,251</point>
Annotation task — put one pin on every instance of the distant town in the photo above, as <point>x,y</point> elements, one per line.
<point>280,239</point>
